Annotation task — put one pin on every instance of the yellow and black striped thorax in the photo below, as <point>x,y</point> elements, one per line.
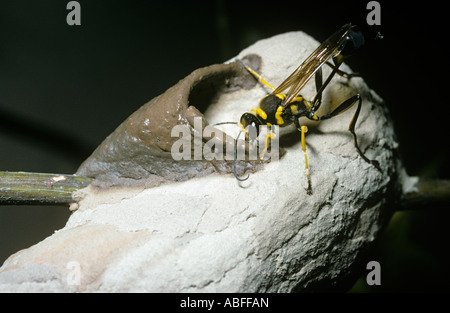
<point>271,111</point>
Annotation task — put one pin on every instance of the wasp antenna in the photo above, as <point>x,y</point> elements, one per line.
<point>239,60</point>
<point>234,161</point>
<point>223,123</point>
<point>235,151</point>
<point>248,68</point>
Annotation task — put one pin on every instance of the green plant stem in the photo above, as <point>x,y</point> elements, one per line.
<point>429,192</point>
<point>19,188</point>
<point>39,188</point>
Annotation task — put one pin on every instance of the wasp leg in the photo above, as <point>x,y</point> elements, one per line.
<point>304,130</point>
<point>262,80</point>
<point>319,90</point>
<point>342,73</point>
<point>320,87</point>
<point>269,136</point>
<point>342,108</point>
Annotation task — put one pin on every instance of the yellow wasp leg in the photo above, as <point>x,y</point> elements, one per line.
<point>268,137</point>
<point>262,80</point>
<point>304,130</point>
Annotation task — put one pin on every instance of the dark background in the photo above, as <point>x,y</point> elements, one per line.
<point>63,89</point>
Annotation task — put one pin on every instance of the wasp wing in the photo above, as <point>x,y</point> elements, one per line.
<point>298,79</point>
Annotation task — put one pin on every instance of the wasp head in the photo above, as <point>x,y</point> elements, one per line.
<point>252,122</point>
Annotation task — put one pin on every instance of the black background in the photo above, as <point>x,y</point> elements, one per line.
<point>63,89</point>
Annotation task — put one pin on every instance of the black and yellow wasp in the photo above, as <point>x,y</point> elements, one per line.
<point>283,109</point>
